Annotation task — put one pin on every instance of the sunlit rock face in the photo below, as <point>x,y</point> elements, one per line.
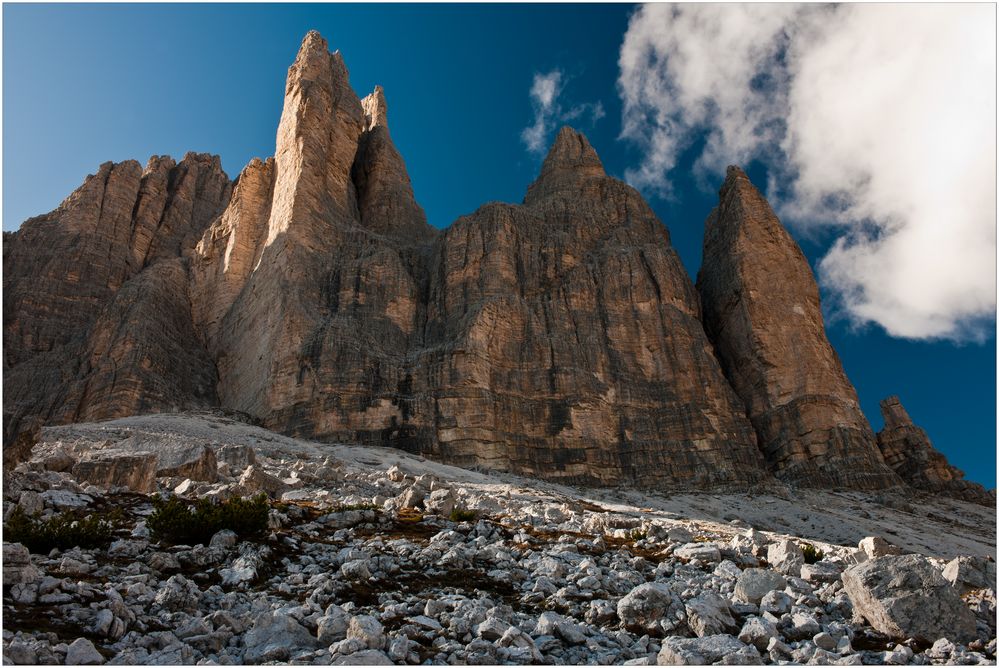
<point>322,263</point>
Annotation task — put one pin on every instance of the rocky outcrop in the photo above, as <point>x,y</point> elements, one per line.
<point>761,311</point>
<point>385,195</point>
<point>906,597</point>
<point>511,341</point>
<point>322,258</point>
<point>117,468</point>
<point>230,250</point>
<point>907,449</point>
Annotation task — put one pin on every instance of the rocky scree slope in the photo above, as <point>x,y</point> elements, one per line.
<point>559,338</point>
<point>366,563</point>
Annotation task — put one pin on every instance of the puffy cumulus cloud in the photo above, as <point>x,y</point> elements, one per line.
<point>548,111</point>
<point>876,120</point>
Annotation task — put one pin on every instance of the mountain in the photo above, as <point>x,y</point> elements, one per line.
<point>559,337</point>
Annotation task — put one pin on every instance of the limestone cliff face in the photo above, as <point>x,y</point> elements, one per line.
<point>386,204</point>
<point>908,451</point>
<point>761,310</point>
<point>63,273</point>
<point>569,344</point>
<point>560,337</point>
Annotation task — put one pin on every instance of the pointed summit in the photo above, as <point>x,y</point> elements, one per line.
<point>384,192</point>
<point>761,310</point>
<point>572,150</point>
<point>315,146</point>
<point>570,159</point>
<point>312,60</point>
<point>894,413</point>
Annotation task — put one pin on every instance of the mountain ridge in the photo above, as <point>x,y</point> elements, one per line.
<point>560,337</point>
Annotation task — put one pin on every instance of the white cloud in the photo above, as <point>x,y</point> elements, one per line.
<point>877,120</point>
<point>548,112</point>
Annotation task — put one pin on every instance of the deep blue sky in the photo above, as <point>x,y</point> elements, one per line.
<point>87,84</point>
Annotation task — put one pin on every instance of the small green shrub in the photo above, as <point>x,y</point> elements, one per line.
<point>356,506</point>
<point>63,531</point>
<point>462,515</point>
<point>812,553</point>
<point>638,535</point>
<point>176,523</point>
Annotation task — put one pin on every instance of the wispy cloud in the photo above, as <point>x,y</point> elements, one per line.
<point>875,120</point>
<point>548,111</point>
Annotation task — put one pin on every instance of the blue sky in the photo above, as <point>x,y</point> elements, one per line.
<point>87,84</point>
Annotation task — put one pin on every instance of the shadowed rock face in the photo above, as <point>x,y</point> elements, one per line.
<point>560,337</point>
<point>85,330</point>
<point>908,451</point>
<point>761,311</point>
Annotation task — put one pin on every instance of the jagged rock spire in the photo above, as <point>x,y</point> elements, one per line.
<point>569,342</point>
<point>894,413</point>
<point>385,197</point>
<point>375,109</point>
<point>325,297</point>
<point>572,151</point>
<point>762,312</point>
<point>316,143</point>
<point>561,338</point>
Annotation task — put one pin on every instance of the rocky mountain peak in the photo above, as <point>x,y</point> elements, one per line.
<point>741,204</point>
<point>570,160</point>
<point>158,162</point>
<point>313,60</point>
<point>562,338</point>
<point>734,173</point>
<point>894,413</point>
<point>572,151</point>
<point>908,451</point>
<point>316,142</point>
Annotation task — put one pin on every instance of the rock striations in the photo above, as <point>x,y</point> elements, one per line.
<point>559,338</point>
<point>323,263</point>
<point>761,311</point>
